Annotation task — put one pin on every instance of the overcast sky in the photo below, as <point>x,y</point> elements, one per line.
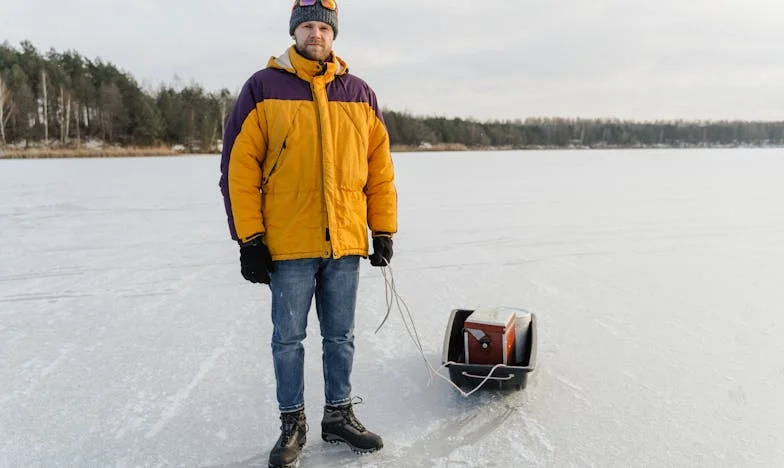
<point>507,59</point>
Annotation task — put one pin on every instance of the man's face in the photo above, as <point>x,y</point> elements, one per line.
<point>314,40</point>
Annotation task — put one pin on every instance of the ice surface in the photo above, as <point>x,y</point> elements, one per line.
<point>128,337</point>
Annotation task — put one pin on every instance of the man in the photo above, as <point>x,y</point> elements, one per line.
<point>306,170</point>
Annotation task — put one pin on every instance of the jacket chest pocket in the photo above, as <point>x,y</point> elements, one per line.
<point>267,174</point>
<point>282,124</point>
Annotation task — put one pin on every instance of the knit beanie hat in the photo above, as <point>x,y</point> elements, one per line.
<point>315,12</point>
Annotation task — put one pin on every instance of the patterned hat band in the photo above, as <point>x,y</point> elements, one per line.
<point>316,12</point>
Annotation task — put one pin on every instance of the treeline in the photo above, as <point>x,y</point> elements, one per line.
<point>578,133</point>
<point>64,99</point>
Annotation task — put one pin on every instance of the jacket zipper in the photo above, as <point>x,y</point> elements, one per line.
<point>328,253</point>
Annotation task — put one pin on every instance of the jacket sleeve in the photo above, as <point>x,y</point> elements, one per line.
<point>380,188</point>
<point>244,148</point>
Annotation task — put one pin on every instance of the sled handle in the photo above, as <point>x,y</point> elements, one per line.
<point>508,377</point>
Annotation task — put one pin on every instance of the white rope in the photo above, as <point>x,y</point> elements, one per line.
<point>392,297</point>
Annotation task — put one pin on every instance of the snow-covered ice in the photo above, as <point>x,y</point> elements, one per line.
<point>128,337</point>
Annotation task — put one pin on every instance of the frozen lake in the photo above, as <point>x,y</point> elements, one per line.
<point>129,338</point>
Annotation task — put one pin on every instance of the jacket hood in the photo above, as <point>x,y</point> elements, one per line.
<point>294,63</point>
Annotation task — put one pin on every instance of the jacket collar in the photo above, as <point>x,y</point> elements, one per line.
<point>292,62</point>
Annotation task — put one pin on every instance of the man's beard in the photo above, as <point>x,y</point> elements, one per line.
<point>312,55</point>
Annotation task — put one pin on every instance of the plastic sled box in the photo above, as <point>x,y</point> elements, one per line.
<point>504,377</point>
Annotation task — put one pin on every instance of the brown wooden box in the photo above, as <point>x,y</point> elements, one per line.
<point>490,337</point>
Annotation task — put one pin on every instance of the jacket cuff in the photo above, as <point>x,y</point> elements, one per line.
<point>252,237</point>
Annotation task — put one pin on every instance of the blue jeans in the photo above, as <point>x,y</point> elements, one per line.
<point>294,283</point>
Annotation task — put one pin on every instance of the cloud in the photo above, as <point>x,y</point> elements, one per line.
<point>503,59</point>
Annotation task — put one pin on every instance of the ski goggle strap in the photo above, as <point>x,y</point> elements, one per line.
<point>328,4</point>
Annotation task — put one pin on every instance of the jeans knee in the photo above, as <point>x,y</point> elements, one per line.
<point>286,338</point>
<point>338,338</point>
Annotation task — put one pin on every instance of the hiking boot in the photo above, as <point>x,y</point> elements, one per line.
<point>340,425</point>
<point>285,453</point>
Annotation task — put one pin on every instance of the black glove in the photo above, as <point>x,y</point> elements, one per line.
<point>382,250</point>
<point>256,261</point>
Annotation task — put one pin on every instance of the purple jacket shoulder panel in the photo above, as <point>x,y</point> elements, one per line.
<point>350,88</point>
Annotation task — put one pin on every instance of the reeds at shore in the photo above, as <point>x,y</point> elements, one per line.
<point>41,152</point>
<point>105,152</point>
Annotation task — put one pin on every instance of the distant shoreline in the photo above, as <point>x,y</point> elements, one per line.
<point>106,152</point>
<point>121,152</point>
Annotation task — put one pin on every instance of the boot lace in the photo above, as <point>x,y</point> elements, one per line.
<point>288,425</point>
<point>348,414</point>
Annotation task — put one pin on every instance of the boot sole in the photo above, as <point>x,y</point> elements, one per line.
<point>293,464</point>
<point>333,439</point>
<point>290,465</point>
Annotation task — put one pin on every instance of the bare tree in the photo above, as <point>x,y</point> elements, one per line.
<point>112,112</point>
<point>77,112</point>
<point>64,116</point>
<point>6,108</point>
<point>46,106</point>
<point>224,101</point>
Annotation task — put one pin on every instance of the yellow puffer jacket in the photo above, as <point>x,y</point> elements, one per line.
<point>306,161</point>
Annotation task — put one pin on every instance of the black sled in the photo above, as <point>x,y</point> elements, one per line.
<point>468,376</point>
